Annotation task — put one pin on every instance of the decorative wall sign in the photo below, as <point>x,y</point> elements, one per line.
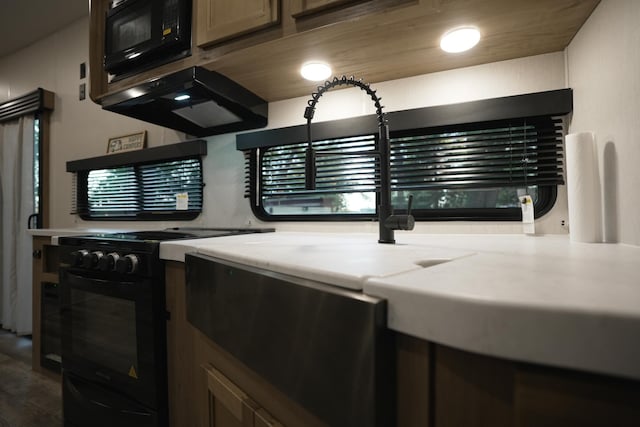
<point>135,141</point>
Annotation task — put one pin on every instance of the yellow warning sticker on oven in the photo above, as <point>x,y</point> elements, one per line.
<point>132,372</point>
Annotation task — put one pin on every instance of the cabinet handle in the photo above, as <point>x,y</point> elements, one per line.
<point>37,254</point>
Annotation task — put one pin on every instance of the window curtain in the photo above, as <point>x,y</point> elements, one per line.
<point>16,197</point>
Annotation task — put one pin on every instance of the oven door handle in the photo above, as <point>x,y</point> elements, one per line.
<point>88,282</point>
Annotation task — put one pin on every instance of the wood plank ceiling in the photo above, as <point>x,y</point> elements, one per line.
<point>404,41</point>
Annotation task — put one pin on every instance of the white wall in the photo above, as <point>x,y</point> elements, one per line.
<point>603,63</point>
<point>81,129</point>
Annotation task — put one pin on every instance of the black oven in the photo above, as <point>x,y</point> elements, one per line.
<point>114,358</point>
<point>113,333</point>
<point>140,34</point>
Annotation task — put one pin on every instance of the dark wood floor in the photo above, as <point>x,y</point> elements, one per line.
<point>27,398</point>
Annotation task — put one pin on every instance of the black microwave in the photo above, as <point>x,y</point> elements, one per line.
<point>141,34</point>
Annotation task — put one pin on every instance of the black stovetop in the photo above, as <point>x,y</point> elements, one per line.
<point>176,233</point>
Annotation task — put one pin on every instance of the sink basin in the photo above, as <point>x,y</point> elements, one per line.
<point>431,262</point>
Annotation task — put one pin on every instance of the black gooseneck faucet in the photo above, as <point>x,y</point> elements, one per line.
<point>388,222</point>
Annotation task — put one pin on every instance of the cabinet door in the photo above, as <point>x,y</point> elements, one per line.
<point>307,7</point>
<point>219,20</point>
<point>229,406</point>
<point>45,317</point>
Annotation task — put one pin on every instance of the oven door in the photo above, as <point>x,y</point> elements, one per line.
<point>113,333</point>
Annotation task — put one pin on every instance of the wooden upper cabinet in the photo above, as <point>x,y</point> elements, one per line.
<point>307,7</point>
<point>219,20</point>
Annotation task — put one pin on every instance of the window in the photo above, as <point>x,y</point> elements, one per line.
<point>147,190</point>
<point>344,185</point>
<point>36,106</point>
<point>472,170</point>
<point>37,148</point>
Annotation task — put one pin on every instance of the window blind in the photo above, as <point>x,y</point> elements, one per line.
<point>523,152</point>
<point>112,192</point>
<point>142,191</point>
<point>282,168</point>
<point>161,182</point>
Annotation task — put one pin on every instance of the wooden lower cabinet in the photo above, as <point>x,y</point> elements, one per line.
<point>198,369</point>
<point>436,386</point>
<point>229,406</point>
<point>474,390</point>
<point>557,398</point>
<point>45,333</point>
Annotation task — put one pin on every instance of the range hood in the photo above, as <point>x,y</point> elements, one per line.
<point>196,101</point>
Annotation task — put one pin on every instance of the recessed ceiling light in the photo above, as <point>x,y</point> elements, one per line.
<point>182,97</point>
<point>459,39</point>
<point>315,71</point>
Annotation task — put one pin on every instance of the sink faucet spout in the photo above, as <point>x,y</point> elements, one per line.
<point>388,222</point>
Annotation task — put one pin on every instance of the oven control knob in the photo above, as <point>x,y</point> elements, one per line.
<point>108,262</point>
<point>127,264</point>
<point>76,257</point>
<point>91,259</point>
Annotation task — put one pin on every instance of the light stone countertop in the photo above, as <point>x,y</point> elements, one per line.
<point>539,299</point>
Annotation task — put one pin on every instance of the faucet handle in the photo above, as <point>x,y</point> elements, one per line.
<point>402,222</point>
<point>310,169</point>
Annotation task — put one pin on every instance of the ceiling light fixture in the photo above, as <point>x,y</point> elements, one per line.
<point>460,39</point>
<point>315,71</point>
<point>182,97</point>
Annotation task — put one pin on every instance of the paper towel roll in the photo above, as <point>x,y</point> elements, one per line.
<point>583,188</point>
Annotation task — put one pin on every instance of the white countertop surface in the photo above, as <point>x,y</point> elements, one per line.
<point>342,260</point>
<point>540,299</point>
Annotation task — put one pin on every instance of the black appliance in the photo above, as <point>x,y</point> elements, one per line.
<point>196,101</point>
<point>114,359</point>
<point>141,34</point>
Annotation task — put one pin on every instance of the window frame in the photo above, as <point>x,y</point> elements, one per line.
<point>549,103</point>
<point>175,152</point>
